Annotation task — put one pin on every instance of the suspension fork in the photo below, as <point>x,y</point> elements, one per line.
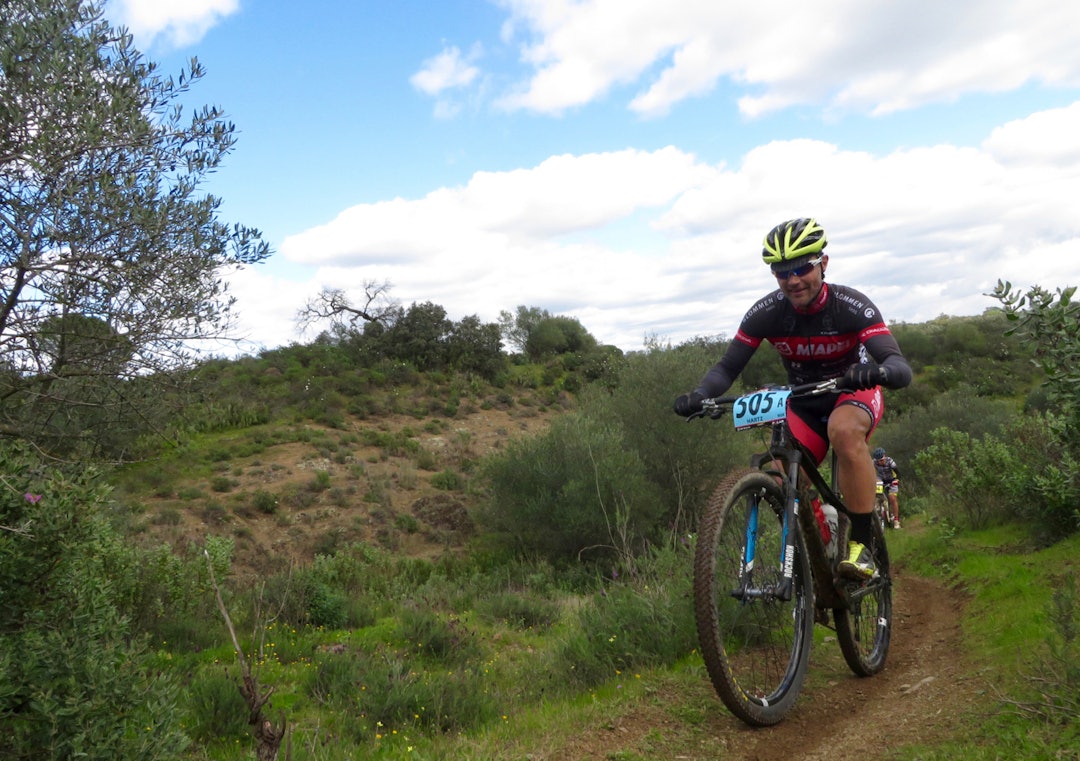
<point>791,515</point>
<point>782,591</point>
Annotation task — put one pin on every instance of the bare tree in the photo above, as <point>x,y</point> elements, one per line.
<point>335,306</point>
<point>268,735</point>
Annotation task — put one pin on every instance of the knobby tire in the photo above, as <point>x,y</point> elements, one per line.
<point>864,628</point>
<point>756,651</point>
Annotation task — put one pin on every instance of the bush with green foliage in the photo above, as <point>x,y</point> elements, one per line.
<point>75,680</point>
<point>1055,678</point>
<point>573,489</point>
<point>958,409</point>
<point>1052,321</point>
<point>639,620</point>
<point>973,482</point>
<point>216,711</point>
<point>683,461</point>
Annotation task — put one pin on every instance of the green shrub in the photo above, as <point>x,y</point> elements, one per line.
<point>973,483</point>
<point>959,409</point>
<point>321,482</point>
<point>406,523</point>
<point>437,637</point>
<point>448,480</point>
<point>681,462</point>
<point>75,679</point>
<point>520,610</point>
<point>264,501</point>
<point>326,606</point>
<point>336,591</point>
<point>559,493</point>
<point>384,692</point>
<point>216,710</point>
<point>1048,484</point>
<point>638,622</point>
<point>189,493</point>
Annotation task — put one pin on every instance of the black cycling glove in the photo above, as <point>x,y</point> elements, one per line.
<point>862,376</point>
<point>688,404</point>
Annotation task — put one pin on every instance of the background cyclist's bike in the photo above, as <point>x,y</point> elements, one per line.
<point>763,572</point>
<point>881,506</point>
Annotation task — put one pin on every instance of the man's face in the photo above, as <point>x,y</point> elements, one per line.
<point>802,289</point>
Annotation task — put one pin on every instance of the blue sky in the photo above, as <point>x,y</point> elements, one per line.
<point>620,160</point>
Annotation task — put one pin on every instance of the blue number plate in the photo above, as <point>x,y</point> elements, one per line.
<point>763,407</point>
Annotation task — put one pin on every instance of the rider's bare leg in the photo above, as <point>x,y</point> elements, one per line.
<point>849,426</point>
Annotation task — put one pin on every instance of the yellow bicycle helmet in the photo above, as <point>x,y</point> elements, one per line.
<point>793,239</point>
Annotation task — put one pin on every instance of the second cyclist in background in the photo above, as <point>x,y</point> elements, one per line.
<point>889,475</point>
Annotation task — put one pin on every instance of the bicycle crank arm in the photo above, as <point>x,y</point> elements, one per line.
<point>782,591</point>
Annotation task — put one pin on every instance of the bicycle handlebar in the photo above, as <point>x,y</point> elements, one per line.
<point>715,406</point>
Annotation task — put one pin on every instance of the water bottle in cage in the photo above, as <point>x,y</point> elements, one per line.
<point>828,522</point>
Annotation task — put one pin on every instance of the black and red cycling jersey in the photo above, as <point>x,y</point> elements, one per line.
<point>840,328</point>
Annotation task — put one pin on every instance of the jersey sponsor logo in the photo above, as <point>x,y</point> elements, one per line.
<point>747,339</point>
<point>817,348</point>
<point>849,299</point>
<point>879,329</point>
<point>765,303</point>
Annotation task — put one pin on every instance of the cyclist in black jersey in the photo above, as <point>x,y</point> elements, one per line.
<point>889,476</point>
<point>821,331</point>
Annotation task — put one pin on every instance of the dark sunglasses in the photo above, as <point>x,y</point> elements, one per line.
<point>797,271</point>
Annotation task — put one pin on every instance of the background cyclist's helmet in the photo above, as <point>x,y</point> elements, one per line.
<point>794,239</point>
<point>878,453</point>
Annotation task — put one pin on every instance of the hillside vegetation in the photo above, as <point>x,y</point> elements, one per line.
<point>426,538</point>
<point>408,558</point>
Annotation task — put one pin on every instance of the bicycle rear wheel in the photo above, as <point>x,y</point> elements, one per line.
<point>864,628</point>
<point>881,510</point>
<point>756,646</point>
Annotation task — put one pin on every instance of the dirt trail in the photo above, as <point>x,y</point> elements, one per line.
<point>924,688</point>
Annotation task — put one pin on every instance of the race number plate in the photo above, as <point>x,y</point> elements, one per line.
<point>763,407</point>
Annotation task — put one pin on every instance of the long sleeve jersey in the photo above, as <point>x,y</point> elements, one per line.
<point>887,472</point>
<point>841,328</point>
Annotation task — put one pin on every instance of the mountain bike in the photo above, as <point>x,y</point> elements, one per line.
<point>763,574</point>
<point>881,506</point>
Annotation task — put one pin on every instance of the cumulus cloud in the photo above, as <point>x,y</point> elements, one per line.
<point>658,243</point>
<point>446,70</point>
<point>843,54</point>
<point>179,23</point>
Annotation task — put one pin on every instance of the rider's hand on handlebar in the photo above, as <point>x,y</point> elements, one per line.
<point>688,404</point>
<point>859,377</point>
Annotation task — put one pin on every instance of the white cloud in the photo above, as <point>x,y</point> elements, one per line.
<point>638,243</point>
<point>444,71</point>
<point>1040,138</point>
<point>179,22</point>
<point>561,196</point>
<point>844,54</point>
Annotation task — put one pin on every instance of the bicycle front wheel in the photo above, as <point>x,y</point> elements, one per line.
<point>755,643</point>
<point>864,628</point>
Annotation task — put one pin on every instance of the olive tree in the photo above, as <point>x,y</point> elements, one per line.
<point>113,261</point>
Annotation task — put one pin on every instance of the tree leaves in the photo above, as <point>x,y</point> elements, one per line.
<point>102,219</point>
